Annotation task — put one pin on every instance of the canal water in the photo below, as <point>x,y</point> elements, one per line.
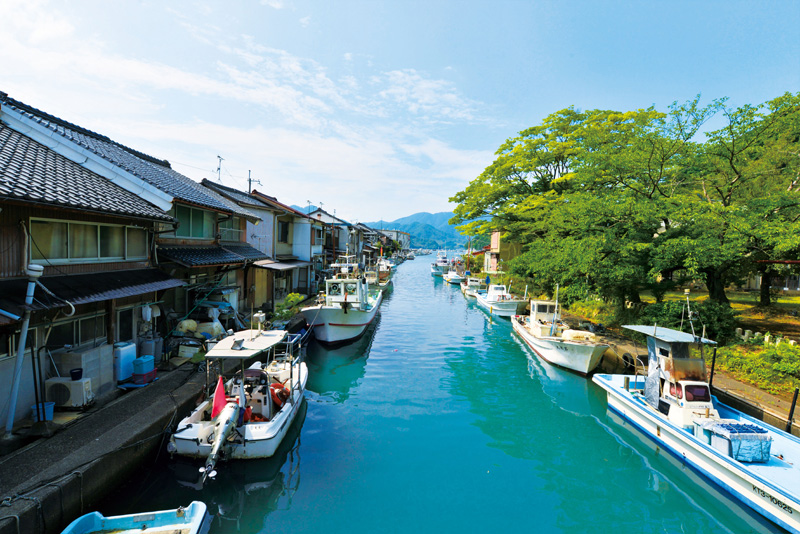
<point>440,420</point>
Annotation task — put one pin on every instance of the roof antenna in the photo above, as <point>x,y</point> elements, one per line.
<point>250,183</point>
<point>219,168</point>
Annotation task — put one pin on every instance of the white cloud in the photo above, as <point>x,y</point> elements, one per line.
<point>355,141</point>
<point>276,4</point>
<point>305,21</point>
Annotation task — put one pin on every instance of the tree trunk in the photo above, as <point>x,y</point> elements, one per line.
<point>766,285</point>
<point>716,287</point>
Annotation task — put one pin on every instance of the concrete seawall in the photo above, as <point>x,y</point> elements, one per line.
<point>47,484</point>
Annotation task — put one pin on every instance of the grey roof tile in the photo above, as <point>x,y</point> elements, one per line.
<point>152,170</point>
<point>29,171</point>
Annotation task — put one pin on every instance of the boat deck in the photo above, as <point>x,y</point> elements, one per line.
<point>781,471</point>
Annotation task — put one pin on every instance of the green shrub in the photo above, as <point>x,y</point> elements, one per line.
<point>771,368</point>
<point>283,310</point>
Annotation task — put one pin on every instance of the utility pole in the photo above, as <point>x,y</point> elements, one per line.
<point>219,168</point>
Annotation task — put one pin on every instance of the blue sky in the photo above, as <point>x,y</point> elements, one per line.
<point>376,109</point>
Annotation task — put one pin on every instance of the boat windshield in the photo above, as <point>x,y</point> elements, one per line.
<point>697,393</point>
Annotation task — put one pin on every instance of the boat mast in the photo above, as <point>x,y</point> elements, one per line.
<point>555,314</point>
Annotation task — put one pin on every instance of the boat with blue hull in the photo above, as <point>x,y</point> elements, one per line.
<point>192,519</point>
<point>756,463</point>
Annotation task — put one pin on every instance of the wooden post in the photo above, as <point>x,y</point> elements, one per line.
<point>791,412</point>
<point>713,362</point>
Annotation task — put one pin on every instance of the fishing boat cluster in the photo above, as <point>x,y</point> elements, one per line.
<point>666,395</point>
<point>255,386</point>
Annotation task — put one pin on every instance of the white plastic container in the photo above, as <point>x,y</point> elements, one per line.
<point>124,354</point>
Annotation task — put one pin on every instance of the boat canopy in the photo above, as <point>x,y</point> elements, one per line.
<point>246,344</point>
<point>668,335</point>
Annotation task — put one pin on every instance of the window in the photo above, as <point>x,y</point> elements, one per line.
<point>6,349</point>
<point>125,325</point>
<point>231,229</point>
<point>77,332</point>
<point>64,242</point>
<point>194,223</point>
<point>283,231</point>
<point>697,393</point>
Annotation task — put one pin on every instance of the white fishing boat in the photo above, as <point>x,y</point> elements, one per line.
<point>471,286</point>
<point>555,342</point>
<point>498,301</point>
<point>345,310</point>
<point>453,277</point>
<point>192,519</point>
<point>245,418</point>
<point>758,464</point>
<point>441,265</point>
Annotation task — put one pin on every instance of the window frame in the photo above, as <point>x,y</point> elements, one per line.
<point>98,258</point>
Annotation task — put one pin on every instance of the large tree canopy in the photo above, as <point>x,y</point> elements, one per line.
<point>621,202</point>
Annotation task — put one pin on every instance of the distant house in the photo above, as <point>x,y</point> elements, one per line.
<point>293,242</point>
<point>499,251</point>
<point>403,238</point>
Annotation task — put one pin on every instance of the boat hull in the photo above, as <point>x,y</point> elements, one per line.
<point>745,483</point>
<point>193,519</point>
<point>501,308</point>
<point>581,358</point>
<point>330,324</point>
<point>259,439</point>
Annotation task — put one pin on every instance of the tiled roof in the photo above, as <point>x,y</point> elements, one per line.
<point>29,171</point>
<point>246,251</point>
<point>240,197</point>
<point>210,255</point>
<point>152,170</point>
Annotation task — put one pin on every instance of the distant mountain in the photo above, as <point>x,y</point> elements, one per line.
<point>428,230</point>
<point>304,209</point>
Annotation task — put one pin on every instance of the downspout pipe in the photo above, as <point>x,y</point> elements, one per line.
<point>34,272</point>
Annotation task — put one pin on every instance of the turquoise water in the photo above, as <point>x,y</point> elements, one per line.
<point>440,420</point>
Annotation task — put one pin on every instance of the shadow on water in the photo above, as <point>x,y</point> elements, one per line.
<point>334,371</point>
<point>239,498</point>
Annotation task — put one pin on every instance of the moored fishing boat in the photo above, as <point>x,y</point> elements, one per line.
<point>248,415</point>
<point>555,342</point>
<point>192,519</point>
<point>498,301</point>
<point>471,286</point>
<point>441,265</point>
<point>756,463</point>
<point>453,277</point>
<point>344,311</point>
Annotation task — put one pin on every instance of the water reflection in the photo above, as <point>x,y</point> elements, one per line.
<point>239,498</point>
<point>334,371</point>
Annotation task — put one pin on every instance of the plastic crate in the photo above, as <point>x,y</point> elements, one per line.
<point>145,378</point>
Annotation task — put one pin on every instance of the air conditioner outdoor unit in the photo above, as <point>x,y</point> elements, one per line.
<point>68,393</point>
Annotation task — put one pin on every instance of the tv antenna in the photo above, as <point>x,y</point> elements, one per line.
<point>250,183</point>
<point>219,168</point>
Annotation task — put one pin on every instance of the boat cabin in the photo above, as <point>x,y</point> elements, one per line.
<point>676,384</point>
<point>345,292</point>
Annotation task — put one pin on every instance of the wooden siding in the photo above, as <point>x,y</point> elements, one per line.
<point>12,239</point>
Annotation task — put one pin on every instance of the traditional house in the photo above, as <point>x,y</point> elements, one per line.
<point>182,235</point>
<point>294,239</point>
<point>499,252</point>
<point>94,240</point>
<point>402,238</point>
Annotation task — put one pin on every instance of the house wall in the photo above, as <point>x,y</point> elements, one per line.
<point>16,253</point>
<point>260,236</point>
